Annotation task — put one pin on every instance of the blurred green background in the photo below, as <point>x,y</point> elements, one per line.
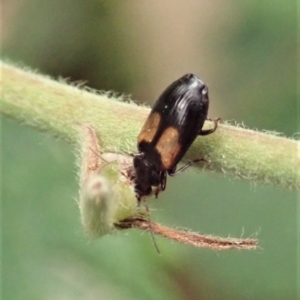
<point>246,53</point>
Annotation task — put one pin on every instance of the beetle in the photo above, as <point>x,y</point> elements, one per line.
<point>174,122</point>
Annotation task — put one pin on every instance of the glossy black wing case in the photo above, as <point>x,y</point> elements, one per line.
<point>175,121</point>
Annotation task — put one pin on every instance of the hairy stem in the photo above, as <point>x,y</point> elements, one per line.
<point>190,238</point>
<point>59,108</point>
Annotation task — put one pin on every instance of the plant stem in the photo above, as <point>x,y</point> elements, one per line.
<point>59,108</point>
<point>190,238</point>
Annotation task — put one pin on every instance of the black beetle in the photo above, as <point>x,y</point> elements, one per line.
<point>174,122</point>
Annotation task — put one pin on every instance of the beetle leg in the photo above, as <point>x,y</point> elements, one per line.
<point>157,192</point>
<point>163,181</point>
<point>173,172</point>
<point>209,131</point>
<point>139,198</point>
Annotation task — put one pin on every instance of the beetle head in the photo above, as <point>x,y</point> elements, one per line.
<point>146,175</point>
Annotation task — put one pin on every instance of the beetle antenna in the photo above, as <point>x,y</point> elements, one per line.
<point>151,228</point>
<point>97,154</point>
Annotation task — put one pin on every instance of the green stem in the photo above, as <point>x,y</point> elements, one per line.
<point>59,108</point>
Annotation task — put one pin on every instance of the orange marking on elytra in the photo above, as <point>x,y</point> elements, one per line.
<point>168,146</point>
<point>150,128</point>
